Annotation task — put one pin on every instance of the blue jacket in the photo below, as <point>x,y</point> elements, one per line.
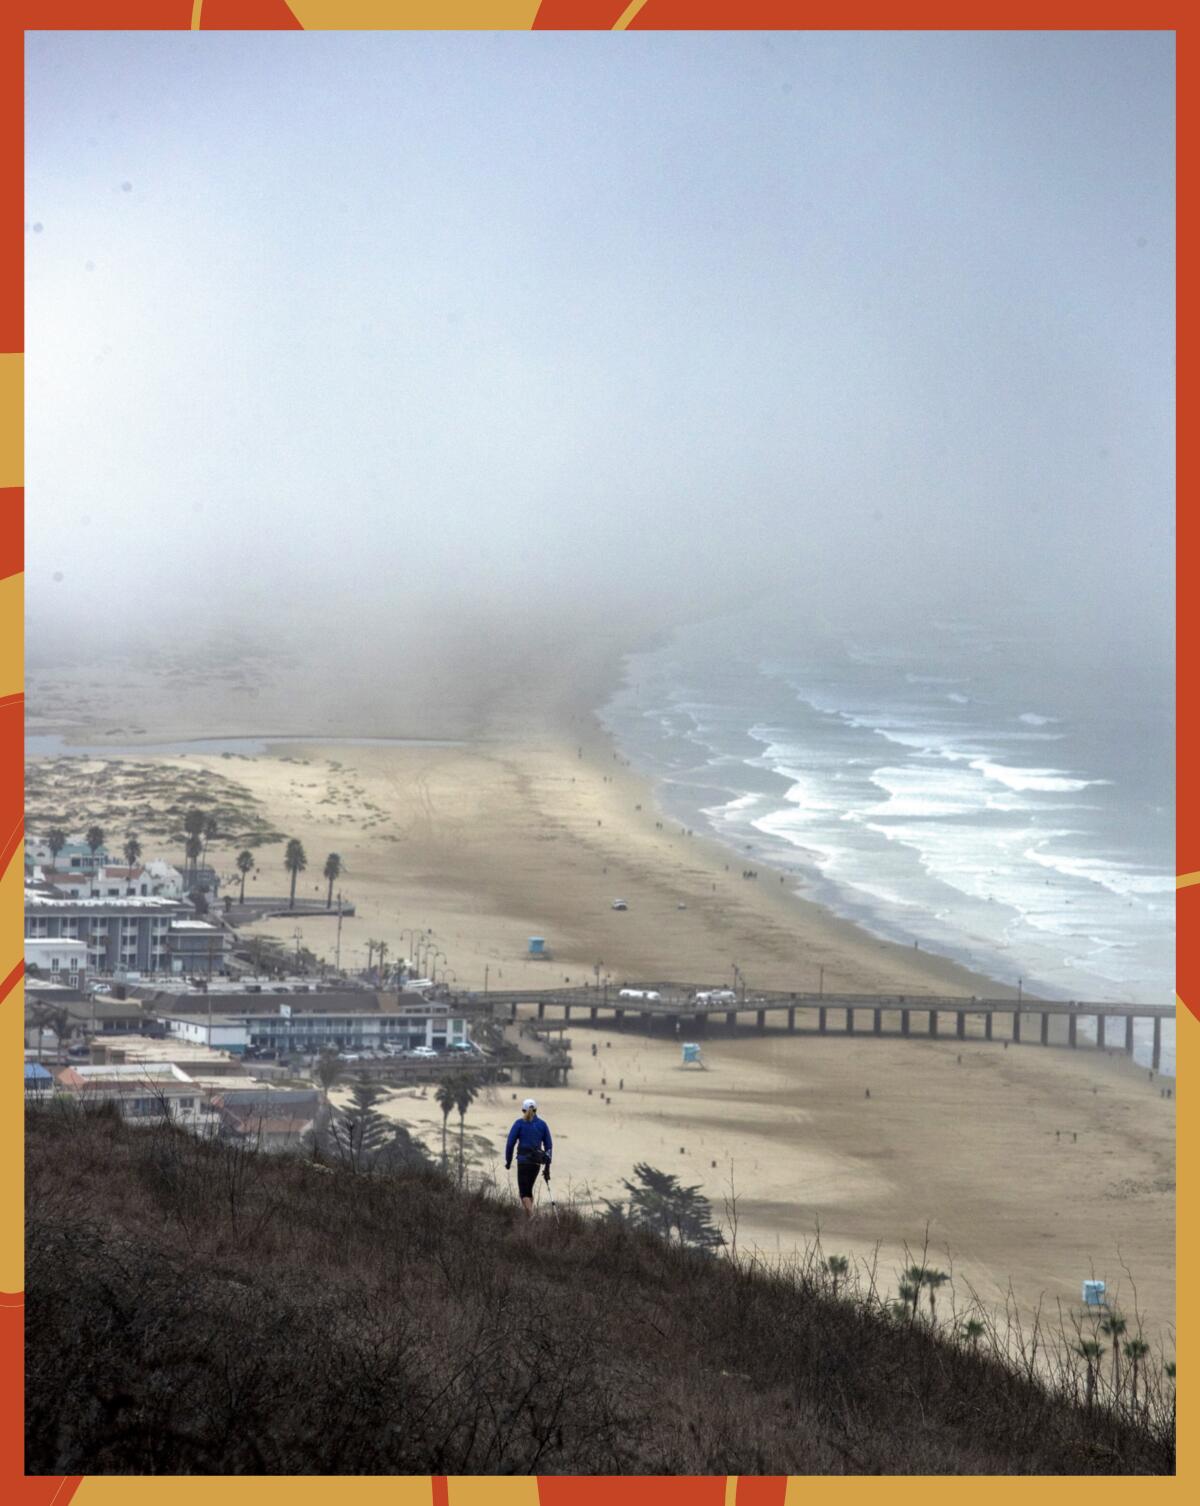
<point>529,1137</point>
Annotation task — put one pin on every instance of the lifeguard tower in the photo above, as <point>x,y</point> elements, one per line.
<point>692,1055</point>
<point>538,950</point>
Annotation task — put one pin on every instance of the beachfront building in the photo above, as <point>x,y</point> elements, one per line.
<point>161,878</point>
<point>265,1116</point>
<point>217,1031</point>
<point>111,881</point>
<point>146,1093</point>
<point>131,933</point>
<point>198,946</point>
<point>308,1031</point>
<point>62,959</point>
<point>76,856</point>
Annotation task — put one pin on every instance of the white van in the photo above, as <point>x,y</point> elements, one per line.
<point>639,993</point>
<point>716,996</point>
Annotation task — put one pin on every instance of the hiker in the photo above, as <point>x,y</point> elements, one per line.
<point>531,1137</point>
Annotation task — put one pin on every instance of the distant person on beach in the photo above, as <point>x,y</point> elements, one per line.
<point>530,1137</point>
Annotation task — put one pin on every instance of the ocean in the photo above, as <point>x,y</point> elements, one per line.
<point>977,790</point>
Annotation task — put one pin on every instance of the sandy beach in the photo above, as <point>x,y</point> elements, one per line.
<point>1025,1165</point>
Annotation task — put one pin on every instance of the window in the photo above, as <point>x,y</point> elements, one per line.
<point>54,964</point>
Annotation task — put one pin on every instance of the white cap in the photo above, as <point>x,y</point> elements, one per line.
<point>528,1104</point>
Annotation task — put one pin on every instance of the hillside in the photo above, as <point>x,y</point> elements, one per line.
<point>192,1308</point>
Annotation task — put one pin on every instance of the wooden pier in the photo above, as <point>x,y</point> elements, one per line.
<point>1021,1019</point>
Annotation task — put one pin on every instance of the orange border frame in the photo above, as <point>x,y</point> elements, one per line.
<point>44,15</point>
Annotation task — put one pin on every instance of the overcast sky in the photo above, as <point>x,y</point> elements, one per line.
<point>863,316</point>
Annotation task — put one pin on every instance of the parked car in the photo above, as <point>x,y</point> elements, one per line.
<point>100,988</point>
<point>423,1051</point>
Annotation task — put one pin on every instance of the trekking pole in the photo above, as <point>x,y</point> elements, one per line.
<point>549,1189</point>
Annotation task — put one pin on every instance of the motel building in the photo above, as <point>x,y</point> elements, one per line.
<point>310,1031</point>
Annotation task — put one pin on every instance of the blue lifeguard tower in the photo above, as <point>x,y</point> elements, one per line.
<point>692,1055</point>
<point>537,947</point>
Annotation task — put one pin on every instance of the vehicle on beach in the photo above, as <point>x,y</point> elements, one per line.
<point>619,904</point>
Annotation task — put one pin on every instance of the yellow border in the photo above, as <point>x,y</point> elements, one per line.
<point>12,420</point>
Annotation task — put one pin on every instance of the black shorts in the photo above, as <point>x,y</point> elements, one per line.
<point>527,1175</point>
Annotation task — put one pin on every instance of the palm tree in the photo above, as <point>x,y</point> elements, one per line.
<point>915,1279</point>
<point>464,1097</point>
<point>837,1266</point>
<point>132,850</point>
<point>329,1069</point>
<point>95,841</point>
<point>909,1292</point>
<point>973,1330</point>
<point>193,848</point>
<point>446,1097</point>
<point>1113,1326</point>
<point>371,945</point>
<point>1092,1353</point>
<point>56,841</point>
<point>1136,1351</point>
<point>382,948</point>
<point>934,1279</point>
<point>210,831</point>
<point>193,825</point>
<point>245,861</point>
<point>295,862</point>
<point>333,868</point>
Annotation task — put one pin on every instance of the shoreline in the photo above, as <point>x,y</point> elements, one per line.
<point>532,826</point>
<point>578,717</point>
